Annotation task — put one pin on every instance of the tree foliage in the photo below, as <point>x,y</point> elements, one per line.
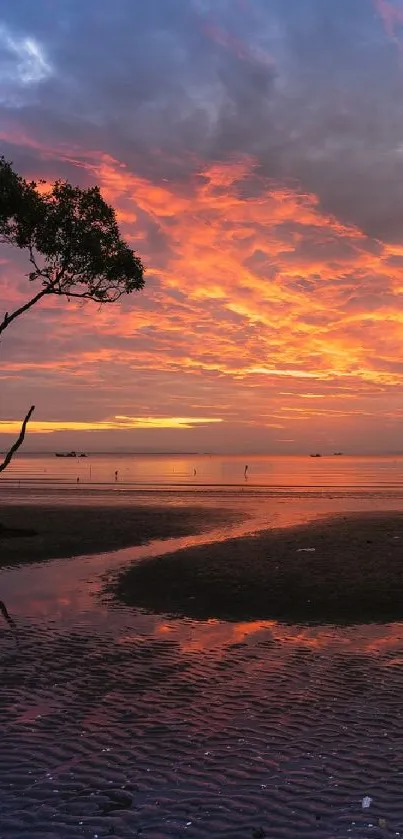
<point>72,241</point>
<point>73,245</point>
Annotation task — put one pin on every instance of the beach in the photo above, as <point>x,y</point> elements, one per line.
<point>147,691</point>
<point>38,532</point>
<point>333,570</point>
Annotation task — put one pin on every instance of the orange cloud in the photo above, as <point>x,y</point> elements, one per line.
<point>254,285</point>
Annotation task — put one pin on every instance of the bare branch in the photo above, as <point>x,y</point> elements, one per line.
<point>18,442</point>
<point>39,272</point>
<point>47,289</point>
<point>32,259</point>
<point>87,295</point>
<point>9,318</point>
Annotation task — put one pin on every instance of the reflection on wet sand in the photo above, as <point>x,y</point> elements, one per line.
<point>72,583</point>
<point>118,722</point>
<point>215,637</point>
<point>219,725</point>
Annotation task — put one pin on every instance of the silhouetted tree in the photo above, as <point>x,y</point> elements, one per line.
<point>73,245</point>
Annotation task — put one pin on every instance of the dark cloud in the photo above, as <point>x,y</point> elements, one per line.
<point>311,89</point>
<point>269,283</point>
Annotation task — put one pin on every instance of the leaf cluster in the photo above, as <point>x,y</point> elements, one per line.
<point>72,237</point>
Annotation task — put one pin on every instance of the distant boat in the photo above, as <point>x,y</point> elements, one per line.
<point>70,454</point>
<point>337,454</point>
<point>315,455</point>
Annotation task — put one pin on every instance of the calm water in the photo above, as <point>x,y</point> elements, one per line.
<point>270,473</point>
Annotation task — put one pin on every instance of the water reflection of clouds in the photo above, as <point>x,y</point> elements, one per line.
<point>72,592</point>
<point>215,637</point>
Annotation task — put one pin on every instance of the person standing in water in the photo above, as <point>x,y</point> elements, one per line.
<point>116,475</point>
<point>245,474</point>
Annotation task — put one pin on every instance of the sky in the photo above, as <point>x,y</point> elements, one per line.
<point>253,151</point>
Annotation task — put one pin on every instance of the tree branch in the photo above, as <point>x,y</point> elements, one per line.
<point>18,442</point>
<point>88,295</point>
<point>33,260</point>
<point>48,289</point>
<point>9,318</point>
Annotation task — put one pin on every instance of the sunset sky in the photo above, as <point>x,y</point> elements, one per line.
<point>253,150</point>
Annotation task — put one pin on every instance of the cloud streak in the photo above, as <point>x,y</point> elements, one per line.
<point>114,424</point>
<point>253,154</point>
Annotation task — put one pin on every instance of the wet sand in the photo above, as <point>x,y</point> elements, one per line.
<point>152,731</point>
<point>120,722</point>
<point>67,531</point>
<point>335,570</point>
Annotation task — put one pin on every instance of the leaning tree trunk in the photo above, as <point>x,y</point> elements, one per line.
<point>19,441</point>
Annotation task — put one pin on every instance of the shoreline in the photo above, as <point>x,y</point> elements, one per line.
<point>335,568</point>
<point>340,569</point>
<point>63,532</point>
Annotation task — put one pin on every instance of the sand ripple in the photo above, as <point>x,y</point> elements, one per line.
<point>123,734</point>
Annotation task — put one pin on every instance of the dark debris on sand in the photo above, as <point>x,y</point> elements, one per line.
<point>353,575</point>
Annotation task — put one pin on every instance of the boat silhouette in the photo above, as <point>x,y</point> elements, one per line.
<point>70,454</point>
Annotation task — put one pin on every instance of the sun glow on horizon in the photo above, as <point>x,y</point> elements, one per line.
<point>118,423</point>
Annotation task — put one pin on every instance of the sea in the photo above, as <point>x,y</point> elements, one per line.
<point>268,474</point>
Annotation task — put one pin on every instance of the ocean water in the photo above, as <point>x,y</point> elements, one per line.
<point>268,474</point>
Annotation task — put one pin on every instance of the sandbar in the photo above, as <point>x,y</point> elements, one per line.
<point>62,531</point>
<point>341,569</point>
